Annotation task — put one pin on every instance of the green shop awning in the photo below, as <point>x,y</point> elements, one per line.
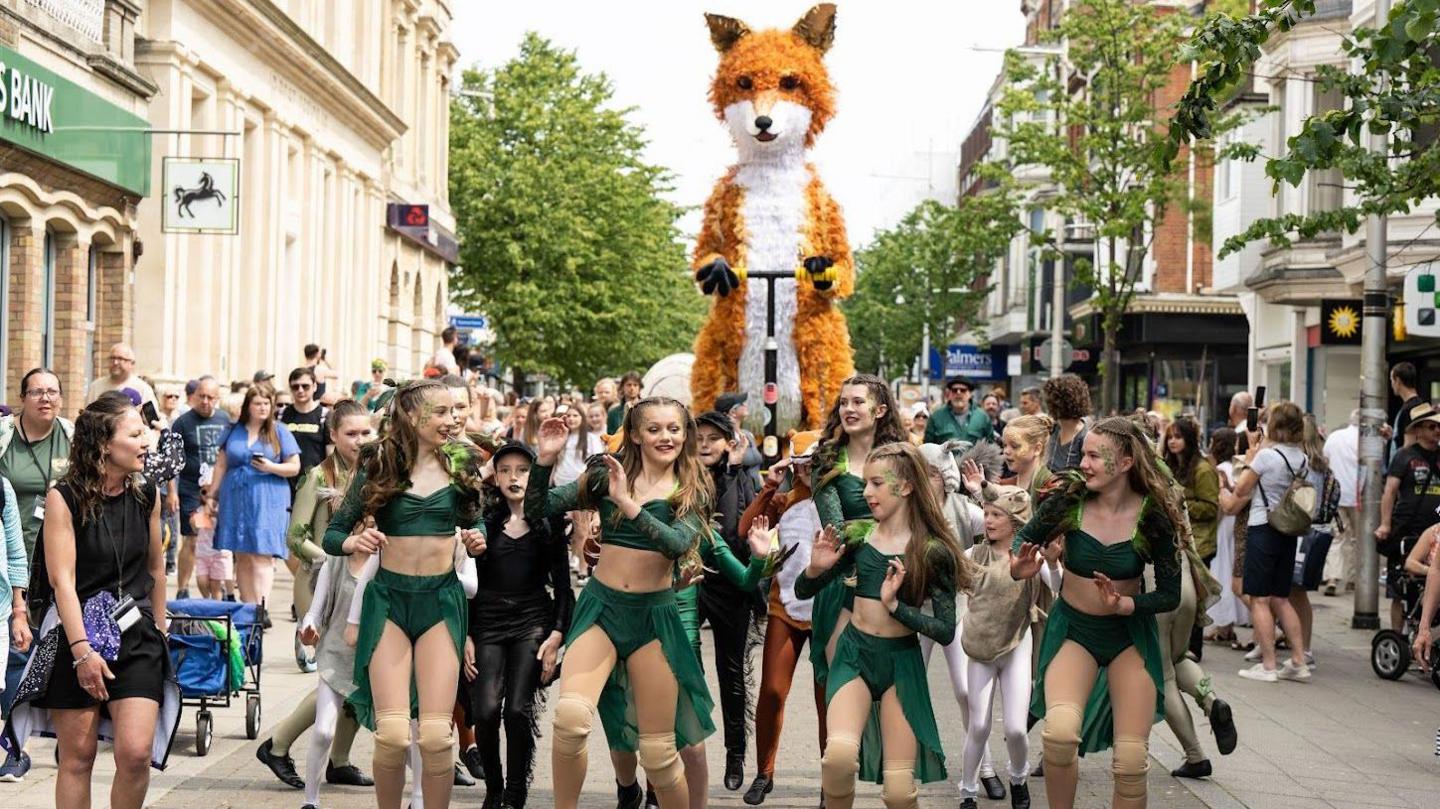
<point>44,113</point>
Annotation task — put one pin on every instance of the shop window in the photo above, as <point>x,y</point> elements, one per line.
<point>47,303</point>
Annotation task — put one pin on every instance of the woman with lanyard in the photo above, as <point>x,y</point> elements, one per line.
<point>33,453</point>
<point>1116,515</point>
<point>864,417</point>
<point>101,669</point>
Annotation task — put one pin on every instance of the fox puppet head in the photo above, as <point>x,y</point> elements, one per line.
<point>771,88</point>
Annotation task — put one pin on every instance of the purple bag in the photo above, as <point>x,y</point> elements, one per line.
<point>100,625</point>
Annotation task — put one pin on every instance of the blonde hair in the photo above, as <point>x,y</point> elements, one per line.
<point>1034,432</point>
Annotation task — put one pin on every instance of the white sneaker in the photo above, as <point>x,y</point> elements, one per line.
<point>1290,671</point>
<point>1260,673</point>
<point>1253,655</point>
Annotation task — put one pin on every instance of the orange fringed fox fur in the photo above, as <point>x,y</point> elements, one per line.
<point>770,212</point>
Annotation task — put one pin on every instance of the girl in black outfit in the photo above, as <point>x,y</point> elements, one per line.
<point>101,668</point>
<point>516,628</point>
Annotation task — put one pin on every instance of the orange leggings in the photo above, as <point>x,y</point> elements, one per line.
<point>783,642</point>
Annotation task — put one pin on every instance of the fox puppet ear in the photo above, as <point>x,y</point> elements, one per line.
<point>817,27</point>
<point>725,31</point>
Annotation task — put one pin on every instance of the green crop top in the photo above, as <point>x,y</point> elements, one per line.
<point>655,528</point>
<point>406,514</point>
<point>842,497</point>
<point>869,566</point>
<point>1085,555</point>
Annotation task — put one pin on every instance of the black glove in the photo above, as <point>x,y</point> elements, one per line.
<point>717,278</point>
<point>819,269</point>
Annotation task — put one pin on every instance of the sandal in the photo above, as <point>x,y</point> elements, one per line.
<point>1220,637</point>
<point>1242,647</point>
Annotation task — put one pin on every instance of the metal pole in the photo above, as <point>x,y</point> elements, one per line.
<point>1373,398</point>
<point>1057,359</point>
<point>925,362</point>
<point>771,445</point>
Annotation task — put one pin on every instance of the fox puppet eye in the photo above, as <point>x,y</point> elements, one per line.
<point>744,83</point>
<point>789,82</point>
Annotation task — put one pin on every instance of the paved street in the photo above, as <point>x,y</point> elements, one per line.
<point>1346,739</point>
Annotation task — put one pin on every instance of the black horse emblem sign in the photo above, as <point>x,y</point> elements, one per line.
<point>185,197</point>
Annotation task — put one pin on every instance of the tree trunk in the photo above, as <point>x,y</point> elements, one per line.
<point>517,380</point>
<point>1110,372</point>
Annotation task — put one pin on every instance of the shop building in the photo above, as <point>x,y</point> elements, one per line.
<point>338,115</point>
<point>74,167</point>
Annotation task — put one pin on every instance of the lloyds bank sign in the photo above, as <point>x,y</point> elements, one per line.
<point>26,99</point>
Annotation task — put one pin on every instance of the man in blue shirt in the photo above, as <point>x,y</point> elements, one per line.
<point>202,427</point>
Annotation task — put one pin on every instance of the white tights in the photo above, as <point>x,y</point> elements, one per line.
<point>1011,671</point>
<point>328,705</point>
<point>957,660</point>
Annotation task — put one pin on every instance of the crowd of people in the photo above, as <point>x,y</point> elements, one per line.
<point>1067,566</point>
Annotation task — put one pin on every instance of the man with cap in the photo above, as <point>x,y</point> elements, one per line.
<point>726,607</point>
<point>262,377</point>
<point>1412,494</point>
<point>958,419</point>
<point>735,406</point>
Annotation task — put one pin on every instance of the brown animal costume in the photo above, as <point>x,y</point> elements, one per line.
<point>771,213</point>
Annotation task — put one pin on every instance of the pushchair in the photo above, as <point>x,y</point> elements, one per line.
<point>215,650</point>
<point>1390,654</point>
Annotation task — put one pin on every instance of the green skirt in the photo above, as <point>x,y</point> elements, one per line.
<point>835,598</point>
<point>414,604</point>
<point>882,663</point>
<point>630,621</point>
<point>1104,637</point>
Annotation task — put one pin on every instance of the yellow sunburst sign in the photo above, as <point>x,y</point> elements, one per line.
<point>1340,322</point>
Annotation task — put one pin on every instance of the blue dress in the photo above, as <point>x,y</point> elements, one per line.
<point>254,506</point>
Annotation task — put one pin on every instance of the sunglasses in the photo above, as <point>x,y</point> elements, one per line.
<point>301,387</point>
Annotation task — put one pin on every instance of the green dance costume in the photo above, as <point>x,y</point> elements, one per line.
<point>632,620</point>
<point>838,500</point>
<point>885,662</point>
<point>412,603</point>
<point>1105,636</point>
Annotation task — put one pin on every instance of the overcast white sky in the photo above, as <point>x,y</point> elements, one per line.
<point>909,78</point>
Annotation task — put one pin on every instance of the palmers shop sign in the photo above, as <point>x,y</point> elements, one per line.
<point>25,99</point>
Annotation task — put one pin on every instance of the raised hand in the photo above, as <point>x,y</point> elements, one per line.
<point>716,278</point>
<point>1110,597</point>
<point>1025,563</point>
<point>775,475</point>
<point>550,440</point>
<point>759,537</point>
<point>619,484</point>
<point>890,587</point>
<point>972,476</point>
<point>827,551</point>
<point>819,268</point>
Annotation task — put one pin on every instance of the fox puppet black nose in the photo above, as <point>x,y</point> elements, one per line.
<point>763,123</point>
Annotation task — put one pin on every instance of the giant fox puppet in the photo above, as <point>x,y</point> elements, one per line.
<point>770,212</point>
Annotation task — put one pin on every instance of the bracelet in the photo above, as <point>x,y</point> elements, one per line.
<point>82,640</point>
<point>83,658</point>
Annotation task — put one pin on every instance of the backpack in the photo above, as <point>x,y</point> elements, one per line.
<point>1293,515</point>
<point>1329,506</point>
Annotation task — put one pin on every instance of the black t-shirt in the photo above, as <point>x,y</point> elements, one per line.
<point>1402,421</point>
<point>1419,494</point>
<point>310,433</point>
<point>114,547</point>
<point>202,437</point>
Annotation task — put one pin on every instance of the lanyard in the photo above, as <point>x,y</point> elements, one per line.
<point>115,545</point>
<point>50,453</point>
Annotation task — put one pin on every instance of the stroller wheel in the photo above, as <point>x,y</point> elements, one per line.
<point>1389,655</point>
<point>252,716</point>
<point>204,730</point>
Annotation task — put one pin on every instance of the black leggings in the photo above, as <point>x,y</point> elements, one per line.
<point>505,690</point>
<point>728,611</point>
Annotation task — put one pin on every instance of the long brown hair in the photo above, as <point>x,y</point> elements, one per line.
<point>93,430</point>
<point>833,438</point>
<point>1182,466</point>
<point>332,468</point>
<point>933,546</point>
<point>389,459</point>
<point>1146,478</point>
<point>694,491</point>
<point>268,433</point>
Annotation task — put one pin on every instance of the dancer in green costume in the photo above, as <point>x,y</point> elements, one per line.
<point>654,501</point>
<point>907,554</point>
<point>413,489</point>
<point>1099,679</point>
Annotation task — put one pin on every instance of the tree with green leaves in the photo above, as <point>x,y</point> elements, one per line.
<point>930,270</point>
<point>1090,121</point>
<point>1395,92</point>
<point>566,242</point>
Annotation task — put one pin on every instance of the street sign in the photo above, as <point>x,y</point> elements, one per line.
<point>406,215</point>
<point>1067,352</point>
<point>470,321</point>
<point>1340,323</point>
<point>200,195</point>
<point>1422,301</point>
